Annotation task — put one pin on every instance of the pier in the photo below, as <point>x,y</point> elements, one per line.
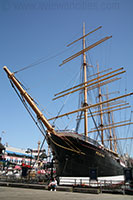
<point>8,193</point>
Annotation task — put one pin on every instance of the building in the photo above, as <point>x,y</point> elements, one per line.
<point>17,156</point>
<point>2,148</point>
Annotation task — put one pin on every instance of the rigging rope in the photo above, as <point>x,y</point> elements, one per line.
<point>25,105</point>
<point>65,100</point>
<point>39,61</point>
<point>78,123</point>
<point>44,59</point>
<point>127,132</point>
<point>42,131</point>
<point>95,125</point>
<point>79,152</point>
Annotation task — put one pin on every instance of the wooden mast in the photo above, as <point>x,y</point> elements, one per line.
<point>101,106</point>
<point>114,135</point>
<point>85,88</point>
<point>109,120</point>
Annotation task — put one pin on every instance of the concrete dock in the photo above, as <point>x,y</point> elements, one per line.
<point>11,193</point>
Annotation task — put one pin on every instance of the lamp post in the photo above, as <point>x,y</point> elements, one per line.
<point>2,134</point>
<point>30,151</point>
<point>38,150</point>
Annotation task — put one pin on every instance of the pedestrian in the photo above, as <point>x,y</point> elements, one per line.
<point>52,185</point>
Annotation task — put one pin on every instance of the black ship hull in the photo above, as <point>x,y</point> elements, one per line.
<point>75,156</point>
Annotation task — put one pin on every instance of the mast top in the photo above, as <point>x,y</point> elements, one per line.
<point>84,35</point>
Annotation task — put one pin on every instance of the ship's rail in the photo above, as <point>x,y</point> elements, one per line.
<point>71,133</point>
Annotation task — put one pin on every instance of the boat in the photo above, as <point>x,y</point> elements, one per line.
<point>79,155</point>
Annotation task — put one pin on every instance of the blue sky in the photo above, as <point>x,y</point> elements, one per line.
<point>31,30</point>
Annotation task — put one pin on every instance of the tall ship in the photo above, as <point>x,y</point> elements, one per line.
<point>74,154</point>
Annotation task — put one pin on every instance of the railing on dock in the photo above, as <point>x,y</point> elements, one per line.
<point>76,184</point>
<point>88,181</point>
<point>30,178</point>
<point>105,184</point>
